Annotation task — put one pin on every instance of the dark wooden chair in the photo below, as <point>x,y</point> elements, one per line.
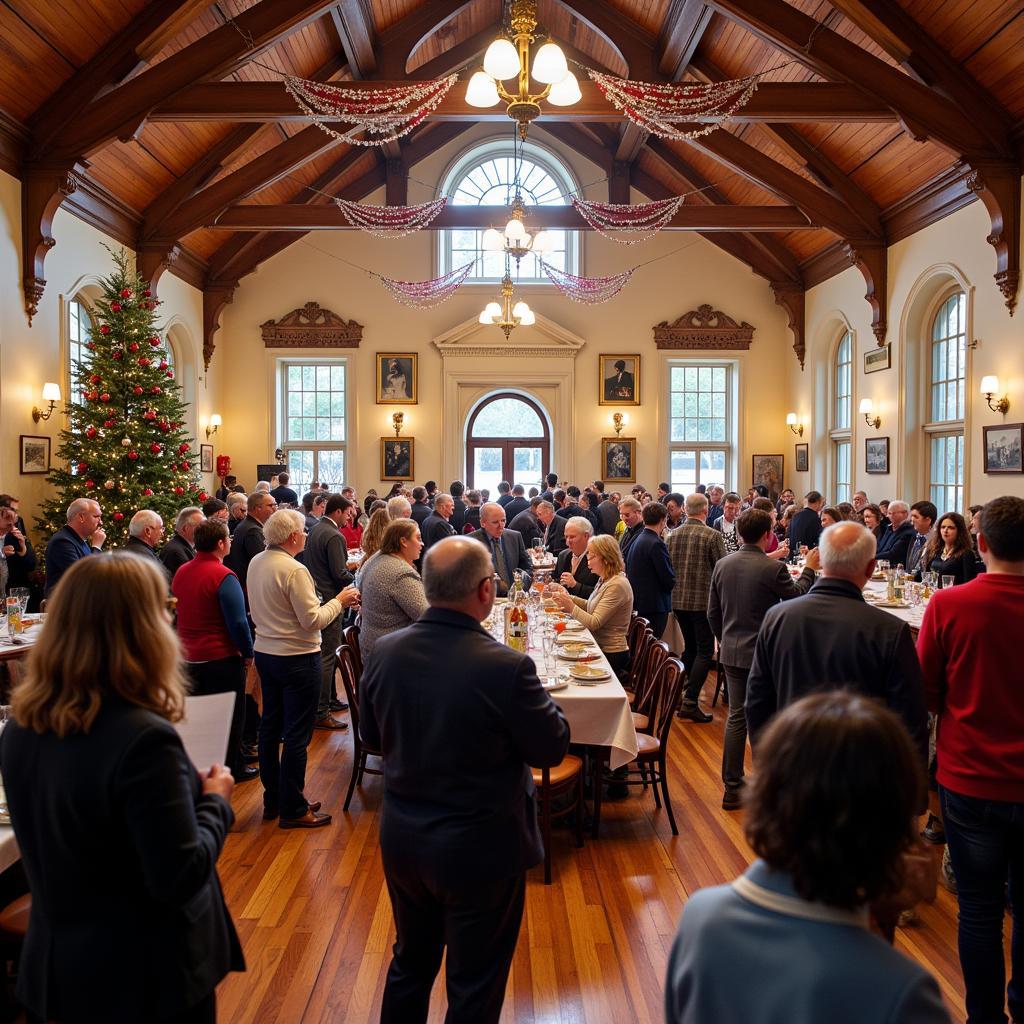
<point>350,636</point>
<point>345,660</point>
<point>645,696</point>
<point>565,778</point>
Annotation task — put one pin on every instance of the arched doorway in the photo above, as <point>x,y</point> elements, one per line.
<point>507,438</point>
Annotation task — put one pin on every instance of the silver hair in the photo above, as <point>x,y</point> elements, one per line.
<point>899,506</point>
<point>846,548</point>
<point>263,485</point>
<point>442,497</point>
<point>399,507</point>
<point>547,505</point>
<point>183,516</point>
<point>456,578</point>
<point>580,523</point>
<point>80,506</point>
<point>142,519</point>
<point>282,524</point>
<point>235,499</point>
<point>696,503</point>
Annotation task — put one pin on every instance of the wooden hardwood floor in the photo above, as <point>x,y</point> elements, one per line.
<point>315,920</point>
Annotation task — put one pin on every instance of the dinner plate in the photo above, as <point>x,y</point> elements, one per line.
<point>566,639</point>
<point>553,685</point>
<point>892,604</point>
<point>589,673</point>
<point>590,654</point>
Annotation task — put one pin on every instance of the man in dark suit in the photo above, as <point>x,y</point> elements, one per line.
<point>744,585</point>
<point>82,535</point>
<point>420,506</point>
<point>894,545</point>
<point>608,512</point>
<point>805,527</point>
<point>527,524</point>
<point>571,569</point>
<point>619,387</point>
<point>247,540</point>
<point>437,525</point>
<point>282,493</point>
<point>508,552</point>
<point>517,504</point>
<point>180,549</point>
<point>831,639</point>
<point>649,570</point>
<point>456,844</point>
<point>472,520</point>
<point>631,512</point>
<point>458,518</point>
<point>551,481</point>
<point>572,503</point>
<point>922,517</point>
<point>504,493</point>
<point>145,531</point>
<point>554,528</point>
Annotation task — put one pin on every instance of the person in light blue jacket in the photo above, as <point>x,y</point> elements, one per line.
<point>829,814</point>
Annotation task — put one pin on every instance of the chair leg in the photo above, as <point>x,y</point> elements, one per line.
<point>654,785</point>
<point>545,823</point>
<point>358,760</point>
<point>579,810</point>
<point>598,784</point>
<point>668,803</point>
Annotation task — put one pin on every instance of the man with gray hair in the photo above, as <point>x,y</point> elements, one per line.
<point>181,548</point>
<point>82,535</point>
<point>894,544</point>
<point>571,568</point>
<point>145,531</point>
<point>456,847</point>
<point>831,639</point>
<point>400,507</point>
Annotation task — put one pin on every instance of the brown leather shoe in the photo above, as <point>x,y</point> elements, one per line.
<point>311,819</point>
<point>269,814</point>
<point>330,722</point>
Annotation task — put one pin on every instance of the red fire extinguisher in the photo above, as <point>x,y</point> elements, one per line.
<point>223,465</point>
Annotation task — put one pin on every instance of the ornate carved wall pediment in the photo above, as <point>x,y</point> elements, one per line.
<point>704,328</point>
<point>311,327</point>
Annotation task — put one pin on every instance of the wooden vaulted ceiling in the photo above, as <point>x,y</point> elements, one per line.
<point>879,116</point>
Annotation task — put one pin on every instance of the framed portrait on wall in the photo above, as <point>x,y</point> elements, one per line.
<point>801,458</point>
<point>397,458</point>
<point>396,378</point>
<point>619,380</point>
<point>35,454</point>
<point>876,455</point>
<point>1002,448</point>
<point>767,472</point>
<point>877,359</point>
<point>618,459</point>
<point>206,458</point>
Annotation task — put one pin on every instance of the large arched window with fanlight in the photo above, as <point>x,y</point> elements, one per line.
<point>507,438</point>
<point>489,175</point>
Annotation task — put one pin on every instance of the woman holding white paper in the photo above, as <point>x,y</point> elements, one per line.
<point>118,832</point>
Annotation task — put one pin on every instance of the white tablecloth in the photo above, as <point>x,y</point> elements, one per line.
<point>876,591</point>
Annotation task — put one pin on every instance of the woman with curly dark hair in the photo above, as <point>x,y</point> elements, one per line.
<point>950,549</point>
<point>830,814</point>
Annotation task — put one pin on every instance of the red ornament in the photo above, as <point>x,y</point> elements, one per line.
<point>126,293</point>
<point>155,448</point>
<point>147,492</point>
<point>156,389</point>
<point>92,395</point>
<point>104,328</point>
<point>119,516</point>
<point>183,447</point>
<point>105,397</point>
<point>155,342</point>
<point>108,423</point>
<point>90,344</point>
<point>169,373</point>
<point>184,467</point>
<point>143,361</point>
<point>165,427</point>
<point>133,456</point>
<point>115,307</point>
<point>179,490</point>
<point>95,379</point>
<point>149,415</point>
<point>147,294</point>
<point>163,364</point>
<point>91,433</point>
<point>118,354</point>
<point>83,466</point>
<point>137,390</point>
<point>133,347</point>
<point>90,484</point>
<point>203,496</point>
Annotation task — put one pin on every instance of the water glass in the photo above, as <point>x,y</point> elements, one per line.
<point>22,594</point>
<point>547,640</point>
<point>948,581</point>
<point>538,545</point>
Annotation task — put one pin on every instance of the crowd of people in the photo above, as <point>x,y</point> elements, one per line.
<point>262,585</point>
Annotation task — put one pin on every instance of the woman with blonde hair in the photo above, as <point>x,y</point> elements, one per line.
<point>606,613</point>
<point>118,832</point>
<point>374,533</point>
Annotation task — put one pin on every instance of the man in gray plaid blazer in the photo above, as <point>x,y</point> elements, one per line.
<point>694,549</point>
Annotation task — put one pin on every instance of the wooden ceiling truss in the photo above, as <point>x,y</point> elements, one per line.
<point>235,185</point>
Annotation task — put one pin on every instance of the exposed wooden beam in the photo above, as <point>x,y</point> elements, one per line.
<point>923,112</point>
<point>298,217</point>
<point>634,44</point>
<point>457,56</point>
<point>398,41</point>
<point>170,27</point>
<point>997,185</point>
<point>353,22</point>
<point>120,113</point>
<point>810,102</point>
<point>685,25</point>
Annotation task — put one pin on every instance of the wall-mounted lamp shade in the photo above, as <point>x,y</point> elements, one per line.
<point>566,92</point>
<point>549,65</point>
<point>867,406</point>
<point>51,392</point>
<point>791,419</point>
<point>989,385</point>
<point>501,60</point>
<point>481,91</point>
<point>215,420</point>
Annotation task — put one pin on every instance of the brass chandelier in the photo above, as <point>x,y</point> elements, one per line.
<point>507,315</point>
<point>507,59</point>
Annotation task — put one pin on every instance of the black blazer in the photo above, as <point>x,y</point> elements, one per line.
<point>650,574</point>
<point>805,528</point>
<point>459,800</point>
<point>585,579</point>
<point>514,551</point>
<point>894,545</point>
<point>177,551</point>
<point>246,543</point>
<point>554,535</point>
<point>528,525</point>
<point>120,847</point>
<point>831,639</point>
<point>64,548</point>
<point>515,506</point>
<point>433,529</point>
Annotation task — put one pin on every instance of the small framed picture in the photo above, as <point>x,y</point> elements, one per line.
<point>877,359</point>
<point>397,458</point>
<point>767,471</point>
<point>618,459</point>
<point>619,380</point>
<point>801,458</point>
<point>396,378</point>
<point>876,455</point>
<point>1002,448</point>
<point>206,458</point>
<point>35,454</point>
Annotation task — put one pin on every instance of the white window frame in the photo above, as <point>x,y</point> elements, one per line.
<point>946,429</point>
<point>281,373</point>
<point>731,445</point>
<point>840,435</point>
<point>85,321</point>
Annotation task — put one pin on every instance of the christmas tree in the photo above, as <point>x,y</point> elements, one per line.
<point>125,445</point>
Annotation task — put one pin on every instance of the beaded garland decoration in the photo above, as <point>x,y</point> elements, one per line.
<point>383,114</point>
<point>588,290</point>
<point>610,219</point>
<point>659,107</point>
<point>391,221</point>
<point>426,294</point>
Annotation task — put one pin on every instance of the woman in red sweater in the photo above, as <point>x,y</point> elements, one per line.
<point>969,648</point>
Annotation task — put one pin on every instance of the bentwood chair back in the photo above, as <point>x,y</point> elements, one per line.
<point>345,660</point>
<point>350,636</point>
<point>639,645</point>
<point>645,695</point>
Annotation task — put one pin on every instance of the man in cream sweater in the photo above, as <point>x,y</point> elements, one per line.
<point>288,617</point>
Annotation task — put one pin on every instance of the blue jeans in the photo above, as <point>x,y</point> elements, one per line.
<point>291,685</point>
<point>986,847</point>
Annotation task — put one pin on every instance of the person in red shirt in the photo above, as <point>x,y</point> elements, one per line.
<point>969,648</point>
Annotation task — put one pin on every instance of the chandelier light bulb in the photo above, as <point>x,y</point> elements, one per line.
<point>501,61</point>
<point>549,65</point>
<point>542,242</point>
<point>520,309</point>
<point>484,318</point>
<point>481,91</point>
<point>514,231</point>
<point>528,319</point>
<point>565,92</point>
<point>493,241</point>
<point>493,310</point>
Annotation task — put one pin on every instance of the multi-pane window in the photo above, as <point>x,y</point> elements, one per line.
<point>947,380</point>
<point>314,419</point>
<point>79,324</point>
<point>492,179</point>
<point>700,428</point>
<point>839,429</point>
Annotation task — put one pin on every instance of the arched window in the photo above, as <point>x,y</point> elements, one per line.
<point>79,325</point>
<point>486,176</point>
<point>507,438</point>
<point>947,372</point>
<point>840,427</point>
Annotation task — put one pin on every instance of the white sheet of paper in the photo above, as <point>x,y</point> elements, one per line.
<point>205,727</point>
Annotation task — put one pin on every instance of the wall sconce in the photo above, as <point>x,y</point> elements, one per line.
<point>214,424</point>
<point>797,428</point>
<point>619,420</point>
<point>989,387</point>
<point>397,420</point>
<point>867,407</point>
<point>51,394</point>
